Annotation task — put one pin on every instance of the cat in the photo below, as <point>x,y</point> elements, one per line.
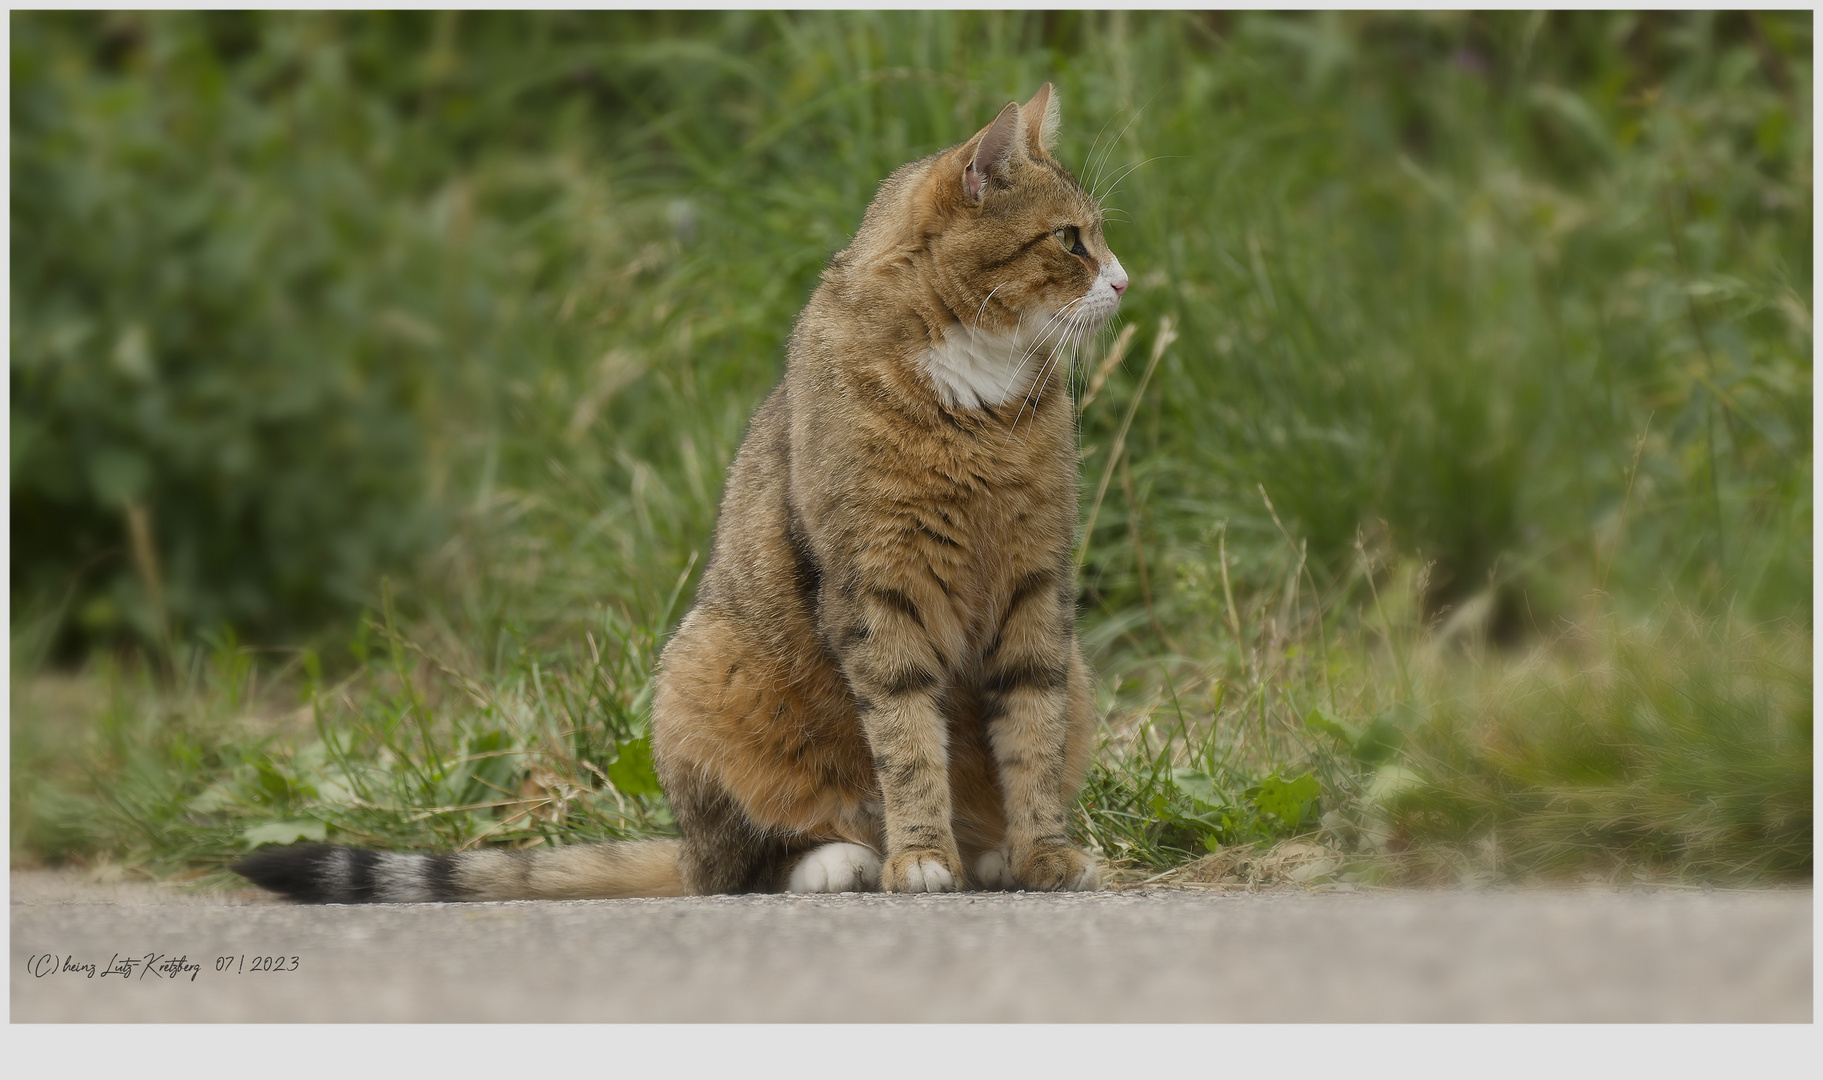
<point>879,684</point>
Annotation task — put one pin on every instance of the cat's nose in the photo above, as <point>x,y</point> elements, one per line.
<point>1116,277</point>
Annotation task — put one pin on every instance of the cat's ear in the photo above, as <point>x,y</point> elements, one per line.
<point>1041,120</point>
<point>994,150</point>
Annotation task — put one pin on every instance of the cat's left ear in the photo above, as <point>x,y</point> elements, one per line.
<point>1042,118</point>
<point>994,150</point>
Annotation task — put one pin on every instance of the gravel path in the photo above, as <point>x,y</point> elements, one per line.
<point>1131,956</point>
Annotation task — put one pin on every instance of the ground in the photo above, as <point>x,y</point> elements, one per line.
<point>1131,956</point>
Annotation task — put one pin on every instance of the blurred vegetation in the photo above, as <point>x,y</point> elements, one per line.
<point>1463,521</point>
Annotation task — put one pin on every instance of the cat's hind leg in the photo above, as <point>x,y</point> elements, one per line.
<point>836,867</point>
<point>992,873</point>
<point>725,850</point>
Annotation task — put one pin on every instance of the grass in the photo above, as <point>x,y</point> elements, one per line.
<point>1447,484</point>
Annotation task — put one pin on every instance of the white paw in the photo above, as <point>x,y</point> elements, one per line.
<point>929,876</point>
<point>1089,880</point>
<point>991,871</point>
<point>836,868</point>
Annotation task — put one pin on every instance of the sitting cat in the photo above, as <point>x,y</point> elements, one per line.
<point>879,684</point>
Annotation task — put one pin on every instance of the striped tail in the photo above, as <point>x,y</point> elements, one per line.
<point>331,874</point>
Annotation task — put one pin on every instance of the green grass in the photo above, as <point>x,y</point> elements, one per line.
<point>374,378</point>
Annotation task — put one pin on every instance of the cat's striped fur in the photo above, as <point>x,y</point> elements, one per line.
<point>879,684</point>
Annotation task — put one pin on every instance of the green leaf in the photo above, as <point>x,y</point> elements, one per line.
<point>1200,786</point>
<point>1392,782</point>
<point>209,800</point>
<point>1318,720</point>
<point>284,832</point>
<point>1287,800</point>
<point>333,790</point>
<point>488,770</point>
<point>1380,741</point>
<point>275,788</point>
<point>1369,745</point>
<point>632,771</point>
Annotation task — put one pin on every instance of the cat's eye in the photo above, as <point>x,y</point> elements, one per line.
<point>1071,239</point>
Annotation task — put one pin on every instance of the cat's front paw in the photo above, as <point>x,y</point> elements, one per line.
<point>922,870</point>
<point>1054,869</point>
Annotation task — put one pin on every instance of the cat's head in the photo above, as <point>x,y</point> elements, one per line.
<point>999,232</point>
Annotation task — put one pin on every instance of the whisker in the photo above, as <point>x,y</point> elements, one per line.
<point>1032,397</point>
<point>1067,351</point>
<point>1124,173</point>
<point>1106,155</point>
<point>1123,132</point>
<point>1090,162</point>
<point>1058,319</point>
<point>1044,376</point>
<point>1064,350</point>
<point>1109,152</point>
<point>983,307</point>
<point>1037,343</point>
<point>1088,159</point>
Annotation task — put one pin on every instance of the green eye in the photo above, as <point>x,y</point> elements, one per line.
<point>1071,239</point>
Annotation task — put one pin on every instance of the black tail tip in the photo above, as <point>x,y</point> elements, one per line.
<point>297,871</point>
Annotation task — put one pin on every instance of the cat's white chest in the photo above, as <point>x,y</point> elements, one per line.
<point>974,368</point>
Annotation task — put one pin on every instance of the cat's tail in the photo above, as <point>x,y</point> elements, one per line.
<point>332,874</point>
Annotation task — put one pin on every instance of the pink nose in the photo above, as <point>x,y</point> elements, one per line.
<point>1118,284</point>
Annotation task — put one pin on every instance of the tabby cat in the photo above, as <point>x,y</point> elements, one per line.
<point>879,685</point>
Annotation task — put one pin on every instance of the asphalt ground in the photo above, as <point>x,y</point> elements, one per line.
<point>85,952</point>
